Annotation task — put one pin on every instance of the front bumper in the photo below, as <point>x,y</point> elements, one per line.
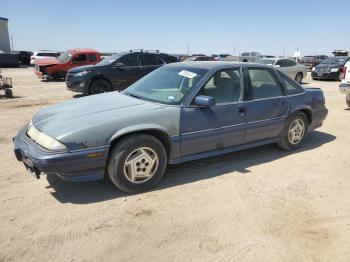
<point>344,88</point>
<point>329,75</point>
<point>77,166</point>
<point>76,86</point>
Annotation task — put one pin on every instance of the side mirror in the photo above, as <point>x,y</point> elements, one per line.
<point>277,66</point>
<point>204,101</point>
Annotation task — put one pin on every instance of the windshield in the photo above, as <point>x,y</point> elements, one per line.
<point>334,61</point>
<point>110,59</point>
<point>266,61</point>
<point>167,85</point>
<point>64,57</point>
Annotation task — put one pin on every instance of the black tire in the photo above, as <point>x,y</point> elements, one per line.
<point>340,76</point>
<point>284,140</point>
<point>56,76</point>
<point>8,93</point>
<point>99,86</point>
<point>348,99</point>
<point>299,77</point>
<point>120,153</point>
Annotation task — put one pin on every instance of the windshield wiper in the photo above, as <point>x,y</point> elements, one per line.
<point>133,95</point>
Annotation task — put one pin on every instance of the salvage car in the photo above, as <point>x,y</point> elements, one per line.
<point>56,68</point>
<point>199,58</point>
<point>287,66</point>
<point>37,55</point>
<point>345,82</point>
<point>311,61</point>
<point>330,69</point>
<point>179,112</point>
<point>116,72</point>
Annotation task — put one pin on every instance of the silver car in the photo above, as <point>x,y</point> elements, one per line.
<point>287,66</point>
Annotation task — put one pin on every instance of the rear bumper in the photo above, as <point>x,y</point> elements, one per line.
<point>70,166</point>
<point>318,116</point>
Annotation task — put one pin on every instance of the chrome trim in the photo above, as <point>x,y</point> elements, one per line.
<point>264,120</point>
<point>213,129</point>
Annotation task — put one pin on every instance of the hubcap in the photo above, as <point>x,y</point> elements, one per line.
<point>141,165</point>
<point>99,88</point>
<point>296,131</point>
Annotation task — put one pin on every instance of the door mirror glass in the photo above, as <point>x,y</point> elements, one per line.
<point>277,66</point>
<point>204,101</point>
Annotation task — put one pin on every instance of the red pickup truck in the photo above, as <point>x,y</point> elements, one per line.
<point>56,68</point>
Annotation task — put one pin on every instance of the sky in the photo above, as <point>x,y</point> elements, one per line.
<point>274,27</point>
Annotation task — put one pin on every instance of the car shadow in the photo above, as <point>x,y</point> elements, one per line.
<point>240,162</point>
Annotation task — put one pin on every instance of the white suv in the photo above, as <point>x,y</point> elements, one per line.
<point>42,54</point>
<point>345,83</point>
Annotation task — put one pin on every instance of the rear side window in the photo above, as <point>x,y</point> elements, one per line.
<point>149,59</point>
<point>79,59</point>
<point>264,84</point>
<point>92,58</point>
<point>130,60</point>
<point>292,87</point>
<point>160,61</point>
<point>289,62</point>
<point>281,63</point>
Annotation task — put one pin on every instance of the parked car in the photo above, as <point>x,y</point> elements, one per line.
<point>331,68</point>
<point>311,61</point>
<point>199,58</point>
<point>345,82</point>
<point>43,54</point>
<point>221,57</point>
<point>179,112</point>
<point>116,72</point>
<point>287,66</point>
<point>250,57</point>
<point>56,68</point>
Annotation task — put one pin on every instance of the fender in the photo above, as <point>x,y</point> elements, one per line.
<point>136,128</point>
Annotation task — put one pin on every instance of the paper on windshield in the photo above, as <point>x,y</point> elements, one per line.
<point>187,74</point>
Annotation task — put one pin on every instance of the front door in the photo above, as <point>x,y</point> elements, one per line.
<point>221,126</point>
<point>266,112</point>
<point>123,76</point>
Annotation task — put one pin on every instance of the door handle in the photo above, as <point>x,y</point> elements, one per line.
<point>242,109</point>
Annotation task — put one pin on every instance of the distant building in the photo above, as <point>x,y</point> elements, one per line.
<point>4,35</point>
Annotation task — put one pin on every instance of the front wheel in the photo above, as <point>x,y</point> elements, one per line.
<point>348,99</point>
<point>294,132</point>
<point>137,163</point>
<point>8,93</point>
<point>99,86</point>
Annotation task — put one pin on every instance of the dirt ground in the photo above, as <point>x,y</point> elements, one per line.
<point>261,204</point>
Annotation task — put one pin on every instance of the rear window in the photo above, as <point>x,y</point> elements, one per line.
<point>292,87</point>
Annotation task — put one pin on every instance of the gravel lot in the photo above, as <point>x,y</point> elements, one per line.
<point>261,204</point>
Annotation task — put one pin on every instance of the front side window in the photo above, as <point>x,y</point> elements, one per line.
<point>167,85</point>
<point>280,63</point>
<point>79,59</point>
<point>149,59</point>
<point>225,86</point>
<point>263,84</point>
<point>92,58</point>
<point>292,87</point>
<point>130,60</point>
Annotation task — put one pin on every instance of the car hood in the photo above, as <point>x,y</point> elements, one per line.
<point>328,66</point>
<point>78,114</point>
<point>47,61</point>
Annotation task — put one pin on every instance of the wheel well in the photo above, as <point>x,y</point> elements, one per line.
<point>160,135</point>
<point>308,113</point>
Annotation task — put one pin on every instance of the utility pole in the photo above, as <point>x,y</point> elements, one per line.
<point>284,50</point>
<point>188,48</point>
<point>12,43</point>
<point>234,50</point>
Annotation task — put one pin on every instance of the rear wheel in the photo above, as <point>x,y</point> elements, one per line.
<point>8,93</point>
<point>99,86</point>
<point>299,77</point>
<point>137,163</point>
<point>294,132</point>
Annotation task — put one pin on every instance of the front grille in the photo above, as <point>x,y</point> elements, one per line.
<point>68,77</point>
<point>322,70</point>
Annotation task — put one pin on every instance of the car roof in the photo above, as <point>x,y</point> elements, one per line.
<point>80,50</point>
<point>210,65</point>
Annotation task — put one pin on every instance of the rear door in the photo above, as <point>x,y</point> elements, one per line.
<point>266,111</point>
<point>205,129</point>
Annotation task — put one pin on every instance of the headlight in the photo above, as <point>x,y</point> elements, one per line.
<point>82,73</point>
<point>313,69</point>
<point>44,140</point>
<point>334,70</point>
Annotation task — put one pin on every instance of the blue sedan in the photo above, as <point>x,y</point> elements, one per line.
<point>179,112</point>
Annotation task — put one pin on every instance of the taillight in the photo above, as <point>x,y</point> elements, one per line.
<point>344,72</point>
